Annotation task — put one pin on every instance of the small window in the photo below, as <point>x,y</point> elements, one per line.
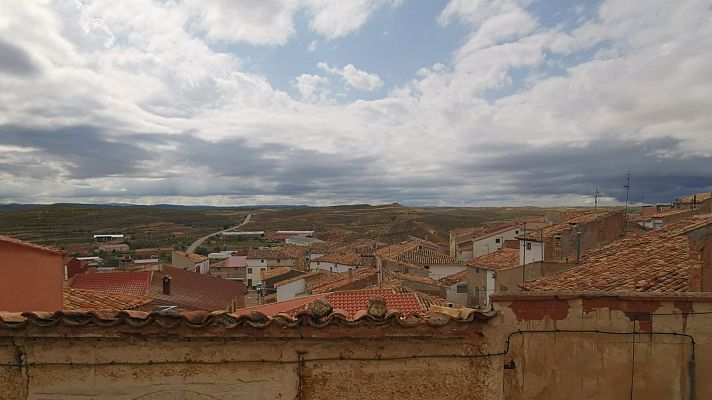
<point>516,232</point>
<point>462,288</point>
<point>249,270</point>
<point>529,246</point>
<point>278,260</point>
<point>262,261</point>
<point>427,267</point>
<point>498,240</point>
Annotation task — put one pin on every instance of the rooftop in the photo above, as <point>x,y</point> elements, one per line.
<point>344,256</point>
<point>271,254</point>
<point>702,196</point>
<point>424,256</point>
<point>454,278</point>
<point>196,258</point>
<point>337,281</point>
<point>194,291</point>
<point>274,272</point>
<point>655,261</point>
<point>499,260</point>
<point>93,300</point>
<point>577,219</point>
<point>134,283</point>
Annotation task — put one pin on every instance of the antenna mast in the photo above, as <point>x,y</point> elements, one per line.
<point>595,201</point>
<point>627,196</point>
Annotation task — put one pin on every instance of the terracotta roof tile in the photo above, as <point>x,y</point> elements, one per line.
<point>92,300</point>
<point>454,278</point>
<point>413,278</point>
<point>267,254</point>
<point>424,256</point>
<point>344,256</point>
<point>499,260</point>
<point>337,281</point>
<point>655,261</point>
<point>194,291</point>
<point>577,219</point>
<point>703,196</point>
<point>271,273</point>
<point>135,283</point>
<point>196,258</point>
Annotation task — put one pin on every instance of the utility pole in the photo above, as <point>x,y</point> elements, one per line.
<point>595,201</point>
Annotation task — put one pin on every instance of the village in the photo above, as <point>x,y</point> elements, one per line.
<point>527,273</point>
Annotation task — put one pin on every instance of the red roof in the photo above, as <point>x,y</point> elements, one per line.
<point>656,261</point>
<point>194,291</point>
<point>349,301</point>
<point>136,283</point>
<point>94,300</point>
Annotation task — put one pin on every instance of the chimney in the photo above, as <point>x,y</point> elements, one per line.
<point>167,285</point>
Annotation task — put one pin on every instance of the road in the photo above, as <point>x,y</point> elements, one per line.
<point>200,241</point>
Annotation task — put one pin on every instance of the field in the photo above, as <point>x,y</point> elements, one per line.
<point>71,226</point>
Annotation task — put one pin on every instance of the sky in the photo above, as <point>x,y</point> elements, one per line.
<point>424,103</point>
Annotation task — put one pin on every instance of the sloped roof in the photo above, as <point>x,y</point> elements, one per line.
<point>454,278</point>
<point>194,291</point>
<point>499,260</point>
<point>656,261</point>
<point>344,256</point>
<point>10,240</point>
<point>196,258</point>
<point>267,254</point>
<point>577,219</point>
<point>348,301</point>
<point>412,278</point>
<point>93,300</point>
<point>271,273</point>
<point>135,283</point>
<point>338,281</point>
<point>424,256</point>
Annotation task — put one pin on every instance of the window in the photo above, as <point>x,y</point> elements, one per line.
<point>529,246</point>
<point>262,261</point>
<point>249,270</point>
<point>516,232</point>
<point>462,288</point>
<point>427,267</point>
<point>278,261</point>
<point>498,240</point>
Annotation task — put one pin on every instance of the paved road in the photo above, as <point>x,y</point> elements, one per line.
<point>200,241</point>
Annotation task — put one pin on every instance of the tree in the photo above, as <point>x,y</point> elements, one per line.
<point>202,251</point>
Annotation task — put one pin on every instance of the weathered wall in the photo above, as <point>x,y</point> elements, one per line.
<point>595,355</point>
<point>154,368</point>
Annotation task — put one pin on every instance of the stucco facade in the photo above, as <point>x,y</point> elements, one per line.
<point>31,277</point>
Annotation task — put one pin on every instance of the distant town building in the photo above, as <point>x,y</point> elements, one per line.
<point>190,262</point>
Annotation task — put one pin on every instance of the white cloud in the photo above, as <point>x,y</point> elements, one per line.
<point>313,87</point>
<point>134,67</point>
<point>271,22</point>
<point>354,77</point>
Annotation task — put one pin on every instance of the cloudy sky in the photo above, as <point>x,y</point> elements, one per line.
<point>461,102</point>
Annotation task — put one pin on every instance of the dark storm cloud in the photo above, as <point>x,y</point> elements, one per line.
<point>14,60</point>
<point>660,172</point>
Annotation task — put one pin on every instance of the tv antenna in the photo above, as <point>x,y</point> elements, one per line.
<point>627,197</point>
<point>595,200</point>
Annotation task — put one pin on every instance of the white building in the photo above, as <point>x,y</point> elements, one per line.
<point>259,260</point>
<point>190,262</point>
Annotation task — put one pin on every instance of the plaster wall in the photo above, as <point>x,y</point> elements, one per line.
<point>31,279</point>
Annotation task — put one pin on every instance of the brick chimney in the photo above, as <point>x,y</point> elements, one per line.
<point>167,285</point>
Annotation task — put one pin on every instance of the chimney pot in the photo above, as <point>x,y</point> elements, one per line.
<point>167,285</point>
